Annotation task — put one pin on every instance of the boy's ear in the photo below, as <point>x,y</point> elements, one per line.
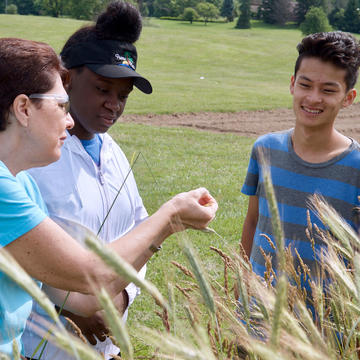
<point>292,84</point>
<point>349,98</point>
<point>21,109</point>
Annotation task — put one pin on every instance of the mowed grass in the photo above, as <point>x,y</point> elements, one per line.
<point>175,160</point>
<point>241,69</point>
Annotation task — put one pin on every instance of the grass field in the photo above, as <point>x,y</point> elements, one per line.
<point>242,69</point>
<point>175,160</point>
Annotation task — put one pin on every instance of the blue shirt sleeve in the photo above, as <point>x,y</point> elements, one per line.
<point>21,205</point>
<point>250,185</point>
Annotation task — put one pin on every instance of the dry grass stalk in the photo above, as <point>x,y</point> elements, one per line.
<point>269,241</point>
<point>164,316</point>
<point>180,349</point>
<point>184,269</point>
<point>304,267</point>
<point>116,324</point>
<point>226,283</point>
<point>269,274</point>
<point>124,269</point>
<point>69,343</point>
<point>225,257</point>
<point>184,291</point>
<point>243,254</point>
<point>76,330</point>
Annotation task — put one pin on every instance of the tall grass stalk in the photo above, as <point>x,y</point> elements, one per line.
<point>274,211</point>
<point>116,324</point>
<point>280,303</point>
<point>12,269</point>
<point>205,289</point>
<point>277,321</point>
<point>68,342</point>
<point>16,351</point>
<point>124,269</point>
<point>179,349</point>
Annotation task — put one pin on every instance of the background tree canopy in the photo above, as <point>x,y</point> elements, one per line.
<point>341,14</point>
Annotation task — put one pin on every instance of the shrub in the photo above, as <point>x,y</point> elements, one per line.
<point>11,9</point>
<point>190,14</point>
<point>315,21</point>
<point>207,11</point>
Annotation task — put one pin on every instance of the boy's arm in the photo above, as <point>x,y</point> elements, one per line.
<point>250,223</point>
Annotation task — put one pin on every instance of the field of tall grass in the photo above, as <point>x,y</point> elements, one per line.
<point>240,316</point>
<point>201,275</point>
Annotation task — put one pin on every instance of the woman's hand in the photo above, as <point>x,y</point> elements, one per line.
<point>193,209</point>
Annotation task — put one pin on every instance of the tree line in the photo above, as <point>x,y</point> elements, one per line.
<point>310,15</point>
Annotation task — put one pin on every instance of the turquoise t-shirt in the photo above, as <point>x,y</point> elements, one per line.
<point>21,209</point>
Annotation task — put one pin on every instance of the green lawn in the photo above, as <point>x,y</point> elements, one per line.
<point>242,69</point>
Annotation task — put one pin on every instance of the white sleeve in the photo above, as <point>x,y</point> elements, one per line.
<point>133,291</point>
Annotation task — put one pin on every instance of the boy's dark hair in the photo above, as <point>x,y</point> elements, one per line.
<point>337,47</point>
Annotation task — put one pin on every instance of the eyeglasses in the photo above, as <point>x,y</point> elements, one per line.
<point>62,100</point>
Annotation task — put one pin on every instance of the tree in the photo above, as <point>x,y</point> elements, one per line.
<point>337,19</point>
<point>315,21</point>
<point>351,17</point>
<point>207,11</point>
<point>267,11</point>
<point>84,9</point>
<point>281,11</point>
<point>217,3</point>
<point>51,7</point>
<point>303,6</point>
<point>227,10</point>
<point>244,18</point>
<point>26,7</point>
<point>275,11</point>
<point>167,8</point>
<point>190,14</point>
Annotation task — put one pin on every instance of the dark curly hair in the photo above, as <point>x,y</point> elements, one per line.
<point>337,47</point>
<point>120,21</point>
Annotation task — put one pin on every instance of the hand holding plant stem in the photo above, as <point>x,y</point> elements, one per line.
<point>193,209</point>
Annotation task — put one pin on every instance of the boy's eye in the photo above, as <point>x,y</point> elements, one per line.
<point>304,85</point>
<point>329,91</point>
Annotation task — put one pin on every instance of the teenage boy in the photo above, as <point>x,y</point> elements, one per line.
<point>313,157</point>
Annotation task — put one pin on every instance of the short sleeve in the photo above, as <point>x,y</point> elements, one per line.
<point>21,205</point>
<point>252,176</point>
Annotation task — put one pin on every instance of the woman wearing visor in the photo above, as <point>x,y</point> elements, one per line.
<point>33,123</point>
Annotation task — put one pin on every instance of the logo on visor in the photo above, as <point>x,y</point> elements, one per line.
<point>125,60</point>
